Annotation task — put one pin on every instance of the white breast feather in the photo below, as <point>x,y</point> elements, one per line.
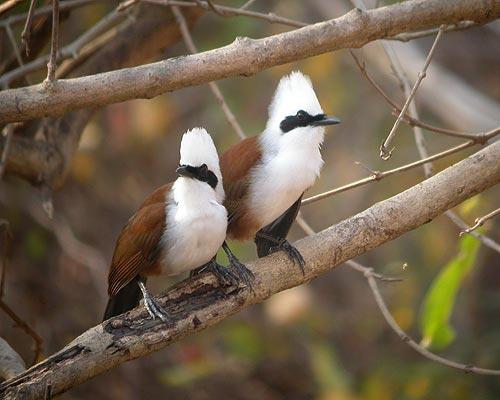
<point>285,174</point>
<point>196,226</point>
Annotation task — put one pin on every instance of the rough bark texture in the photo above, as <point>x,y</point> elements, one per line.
<point>243,57</point>
<point>198,303</point>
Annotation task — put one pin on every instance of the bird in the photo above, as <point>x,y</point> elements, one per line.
<point>178,228</point>
<point>265,176</point>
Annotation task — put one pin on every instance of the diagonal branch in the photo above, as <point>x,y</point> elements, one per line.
<point>371,278</point>
<point>214,88</point>
<point>385,153</point>
<point>199,303</point>
<point>243,57</point>
<point>480,221</point>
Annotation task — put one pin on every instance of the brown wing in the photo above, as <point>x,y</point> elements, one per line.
<point>235,164</point>
<point>158,196</point>
<point>138,245</point>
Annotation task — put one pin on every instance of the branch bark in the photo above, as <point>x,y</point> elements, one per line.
<point>243,57</point>
<point>199,303</point>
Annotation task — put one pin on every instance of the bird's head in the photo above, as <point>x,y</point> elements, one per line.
<point>199,160</point>
<point>295,110</point>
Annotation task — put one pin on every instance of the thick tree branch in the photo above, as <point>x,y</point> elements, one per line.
<point>243,57</point>
<point>198,303</point>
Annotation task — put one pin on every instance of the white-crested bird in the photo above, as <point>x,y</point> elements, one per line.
<point>265,176</point>
<point>178,228</point>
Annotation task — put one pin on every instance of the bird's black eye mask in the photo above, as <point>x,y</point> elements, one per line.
<point>201,173</point>
<point>301,119</point>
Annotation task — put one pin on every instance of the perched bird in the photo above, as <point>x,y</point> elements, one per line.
<point>265,176</point>
<point>178,228</point>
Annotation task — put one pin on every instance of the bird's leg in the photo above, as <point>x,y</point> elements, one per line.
<point>284,245</point>
<point>154,309</point>
<point>242,273</point>
<point>224,275</point>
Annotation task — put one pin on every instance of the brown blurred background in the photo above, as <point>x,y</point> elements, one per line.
<point>324,340</point>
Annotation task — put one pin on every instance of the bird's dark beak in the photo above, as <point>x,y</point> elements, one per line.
<point>326,121</point>
<point>184,171</point>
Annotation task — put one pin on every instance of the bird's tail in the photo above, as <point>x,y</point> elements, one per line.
<point>125,300</point>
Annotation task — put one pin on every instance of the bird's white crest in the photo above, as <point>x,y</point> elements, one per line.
<point>294,92</point>
<point>198,148</point>
<point>291,161</point>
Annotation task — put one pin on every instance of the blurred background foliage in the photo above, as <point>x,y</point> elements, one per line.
<point>324,340</point>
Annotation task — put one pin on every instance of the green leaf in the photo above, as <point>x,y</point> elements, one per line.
<point>440,298</point>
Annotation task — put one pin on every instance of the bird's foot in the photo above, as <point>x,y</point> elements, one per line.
<point>225,275</point>
<point>242,273</point>
<point>156,311</point>
<point>153,307</point>
<point>292,253</point>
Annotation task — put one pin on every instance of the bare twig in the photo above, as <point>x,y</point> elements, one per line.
<point>371,278</point>
<point>247,4</point>
<point>181,21</point>
<point>481,137</point>
<point>11,313</point>
<point>26,33</point>
<point>480,221</point>
<point>54,43</point>
<point>71,50</point>
<point>8,133</point>
<point>385,153</point>
<point>487,241</point>
<point>406,37</point>
<point>20,323</point>
<point>14,45</point>
<point>7,5</point>
<point>378,175</point>
<point>47,10</point>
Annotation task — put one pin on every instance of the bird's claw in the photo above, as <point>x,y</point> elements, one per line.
<point>225,276</point>
<point>243,274</point>
<point>155,310</point>
<point>292,253</point>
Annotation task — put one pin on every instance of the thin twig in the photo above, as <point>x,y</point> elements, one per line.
<point>378,175</point>
<point>47,10</point>
<point>247,4</point>
<point>406,37</point>
<point>54,43</point>
<point>8,133</point>
<point>11,313</point>
<point>6,6</point>
<point>26,33</point>
<point>20,323</point>
<point>71,50</point>
<point>487,241</point>
<point>231,11</point>
<point>14,45</point>
<point>385,153</point>
<point>480,221</point>
<point>481,137</point>
<point>181,21</point>
<point>370,277</point>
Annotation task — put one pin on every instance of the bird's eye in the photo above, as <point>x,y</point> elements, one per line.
<point>204,167</point>
<point>301,114</point>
